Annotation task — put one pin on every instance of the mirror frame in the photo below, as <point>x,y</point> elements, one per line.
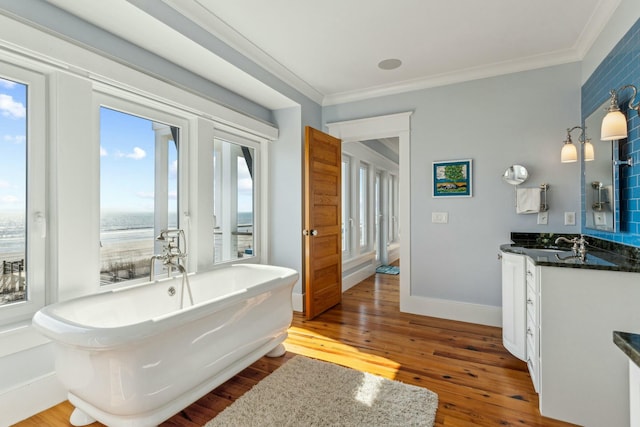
<point>598,179</point>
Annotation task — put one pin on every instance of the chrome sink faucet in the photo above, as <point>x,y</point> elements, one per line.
<point>579,247</point>
<point>172,254</point>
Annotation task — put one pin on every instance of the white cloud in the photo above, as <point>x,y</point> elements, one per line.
<point>10,108</point>
<point>15,139</point>
<point>137,154</point>
<point>4,184</point>
<point>103,152</point>
<point>7,84</point>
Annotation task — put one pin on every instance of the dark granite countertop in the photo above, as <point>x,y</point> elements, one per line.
<point>601,255</point>
<point>629,343</point>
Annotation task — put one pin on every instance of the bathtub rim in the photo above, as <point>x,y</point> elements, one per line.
<point>69,333</point>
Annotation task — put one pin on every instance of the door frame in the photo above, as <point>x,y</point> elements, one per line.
<point>388,126</point>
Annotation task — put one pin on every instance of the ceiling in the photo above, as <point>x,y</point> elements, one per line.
<point>329,50</point>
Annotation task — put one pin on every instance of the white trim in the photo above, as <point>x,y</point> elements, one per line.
<point>220,29</point>
<point>358,276</point>
<point>31,397</point>
<point>452,310</point>
<point>35,45</point>
<point>297,301</point>
<point>392,125</point>
<point>597,21</point>
<point>349,263</point>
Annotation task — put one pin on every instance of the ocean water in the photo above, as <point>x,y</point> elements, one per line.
<point>114,227</point>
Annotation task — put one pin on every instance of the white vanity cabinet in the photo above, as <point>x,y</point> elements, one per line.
<point>583,376</point>
<point>513,304</point>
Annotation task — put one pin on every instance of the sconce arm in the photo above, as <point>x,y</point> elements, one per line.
<point>614,99</point>
<point>580,138</point>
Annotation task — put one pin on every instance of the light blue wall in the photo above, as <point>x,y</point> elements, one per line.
<point>620,67</point>
<point>512,119</point>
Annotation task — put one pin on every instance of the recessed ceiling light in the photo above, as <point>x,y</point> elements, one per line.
<point>389,64</point>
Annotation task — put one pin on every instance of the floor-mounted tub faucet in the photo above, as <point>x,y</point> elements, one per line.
<point>172,257</point>
<point>172,254</point>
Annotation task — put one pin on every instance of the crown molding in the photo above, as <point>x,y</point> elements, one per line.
<point>597,21</point>
<point>475,73</point>
<point>206,19</point>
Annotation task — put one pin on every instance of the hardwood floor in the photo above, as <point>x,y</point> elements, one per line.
<point>478,382</point>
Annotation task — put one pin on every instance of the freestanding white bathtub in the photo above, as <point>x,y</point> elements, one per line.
<point>134,357</point>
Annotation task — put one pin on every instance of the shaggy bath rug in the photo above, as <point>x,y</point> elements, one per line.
<point>308,392</point>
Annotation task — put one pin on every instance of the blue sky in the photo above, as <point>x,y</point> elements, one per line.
<point>127,146</point>
<point>13,130</point>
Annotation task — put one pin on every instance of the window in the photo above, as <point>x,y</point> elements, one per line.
<point>13,191</point>
<point>363,178</point>
<point>377,207</point>
<point>138,192</point>
<point>346,202</point>
<point>22,193</point>
<point>393,208</point>
<point>234,182</point>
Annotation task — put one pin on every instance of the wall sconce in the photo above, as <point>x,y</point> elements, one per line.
<point>569,153</point>
<point>614,124</point>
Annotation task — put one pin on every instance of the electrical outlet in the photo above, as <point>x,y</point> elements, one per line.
<point>569,218</point>
<point>439,217</point>
<point>599,219</point>
<point>543,218</point>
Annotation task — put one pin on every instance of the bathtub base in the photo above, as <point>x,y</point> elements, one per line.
<point>278,351</point>
<point>80,418</point>
<point>164,412</point>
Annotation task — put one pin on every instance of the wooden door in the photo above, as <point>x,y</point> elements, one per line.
<point>322,222</point>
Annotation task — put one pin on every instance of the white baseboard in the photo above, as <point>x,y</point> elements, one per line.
<point>297,302</point>
<point>358,276</point>
<point>452,310</point>
<point>30,398</point>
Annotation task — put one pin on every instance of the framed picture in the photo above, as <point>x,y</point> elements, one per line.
<point>452,178</point>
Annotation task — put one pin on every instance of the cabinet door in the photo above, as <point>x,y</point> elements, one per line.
<point>514,312</point>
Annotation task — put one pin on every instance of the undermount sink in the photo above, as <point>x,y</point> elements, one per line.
<point>552,250</point>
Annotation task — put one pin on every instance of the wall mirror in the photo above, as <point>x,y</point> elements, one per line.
<point>601,187</point>
<point>515,175</point>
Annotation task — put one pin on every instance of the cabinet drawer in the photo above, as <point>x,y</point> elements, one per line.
<point>533,357</point>
<point>531,273</point>
<point>532,304</point>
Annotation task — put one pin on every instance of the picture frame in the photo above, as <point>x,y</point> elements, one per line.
<point>453,178</point>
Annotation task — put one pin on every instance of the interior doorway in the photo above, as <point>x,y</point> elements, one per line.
<point>381,127</point>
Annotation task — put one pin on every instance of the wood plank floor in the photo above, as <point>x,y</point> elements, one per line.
<point>478,382</point>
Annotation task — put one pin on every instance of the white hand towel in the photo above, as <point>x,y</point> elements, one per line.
<point>527,200</point>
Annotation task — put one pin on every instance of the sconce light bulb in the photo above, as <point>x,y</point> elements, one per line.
<point>614,126</point>
<point>589,154</point>
<point>569,153</point>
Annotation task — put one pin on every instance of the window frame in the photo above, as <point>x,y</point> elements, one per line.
<point>160,113</point>
<point>259,189</point>
<point>347,218</point>
<point>364,240</point>
<point>36,213</point>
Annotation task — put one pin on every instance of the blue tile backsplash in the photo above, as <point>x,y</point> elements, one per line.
<point>620,67</point>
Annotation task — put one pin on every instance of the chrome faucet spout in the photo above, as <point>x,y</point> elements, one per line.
<point>173,252</point>
<point>579,247</point>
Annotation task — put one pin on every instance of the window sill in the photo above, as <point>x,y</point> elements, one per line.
<point>19,337</point>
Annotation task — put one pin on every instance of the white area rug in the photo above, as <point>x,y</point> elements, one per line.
<point>308,392</point>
